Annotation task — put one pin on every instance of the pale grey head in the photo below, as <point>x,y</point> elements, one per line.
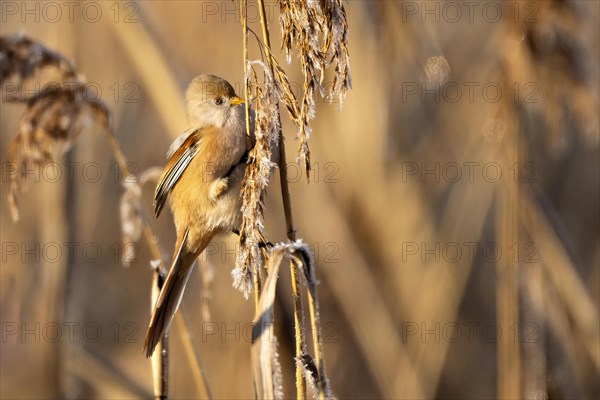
<point>211,101</point>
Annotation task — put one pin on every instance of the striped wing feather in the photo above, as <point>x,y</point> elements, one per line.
<point>176,165</point>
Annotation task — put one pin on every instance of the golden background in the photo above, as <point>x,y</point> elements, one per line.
<point>404,186</point>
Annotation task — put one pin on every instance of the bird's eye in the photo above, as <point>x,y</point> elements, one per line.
<point>219,101</point>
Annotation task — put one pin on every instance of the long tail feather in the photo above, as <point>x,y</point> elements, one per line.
<point>170,295</point>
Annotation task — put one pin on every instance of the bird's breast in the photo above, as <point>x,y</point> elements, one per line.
<point>191,202</point>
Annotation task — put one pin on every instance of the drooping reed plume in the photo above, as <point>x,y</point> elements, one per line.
<point>319,32</point>
<point>54,116</point>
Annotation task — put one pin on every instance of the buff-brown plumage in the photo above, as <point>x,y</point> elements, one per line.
<point>202,179</point>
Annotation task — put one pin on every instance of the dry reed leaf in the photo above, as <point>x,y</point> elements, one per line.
<point>266,372</point>
<point>267,381</point>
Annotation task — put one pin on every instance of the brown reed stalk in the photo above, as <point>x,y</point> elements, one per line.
<point>299,332</point>
<point>507,296</point>
<point>562,273</point>
<point>192,354</point>
<point>323,388</point>
<point>160,357</point>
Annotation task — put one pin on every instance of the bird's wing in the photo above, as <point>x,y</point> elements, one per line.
<point>179,140</point>
<point>179,160</point>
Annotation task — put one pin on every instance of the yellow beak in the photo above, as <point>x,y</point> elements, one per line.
<point>236,100</point>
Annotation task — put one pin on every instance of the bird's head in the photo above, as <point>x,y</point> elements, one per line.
<point>211,101</point>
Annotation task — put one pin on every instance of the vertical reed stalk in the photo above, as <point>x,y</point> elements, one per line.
<point>160,358</point>
<point>289,220</point>
<point>190,351</point>
<point>507,303</point>
<point>315,318</point>
<point>298,332</point>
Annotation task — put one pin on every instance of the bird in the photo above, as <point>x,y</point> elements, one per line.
<point>202,179</point>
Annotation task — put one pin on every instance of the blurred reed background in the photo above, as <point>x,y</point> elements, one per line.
<point>452,209</point>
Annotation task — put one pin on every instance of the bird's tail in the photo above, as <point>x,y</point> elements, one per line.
<point>170,295</point>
